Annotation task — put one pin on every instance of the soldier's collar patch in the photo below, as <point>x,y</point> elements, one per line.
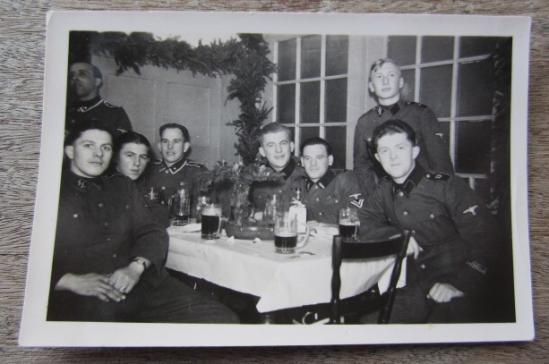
<point>412,181</point>
<point>90,105</point>
<point>174,168</point>
<point>289,169</point>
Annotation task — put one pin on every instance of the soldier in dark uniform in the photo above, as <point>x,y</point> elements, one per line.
<point>325,192</point>
<point>451,232</point>
<point>174,170</point>
<point>109,253</point>
<point>385,82</point>
<point>276,146</point>
<point>85,81</point>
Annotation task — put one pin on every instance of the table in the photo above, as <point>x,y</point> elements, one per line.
<point>280,281</point>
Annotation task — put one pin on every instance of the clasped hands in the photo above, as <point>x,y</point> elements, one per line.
<point>107,288</point>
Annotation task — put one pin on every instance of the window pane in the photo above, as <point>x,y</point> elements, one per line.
<point>407,92</point>
<point>475,89</point>
<point>337,136</point>
<point>310,102</point>
<point>286,60</point>
<point>473,147</point>
<point>336,100</point>
<point>437,49</point>
<point>337,47</point>
<point>286,104</point>
<point>307,133</point>
<point>474,46</point>
<point>436,86</point>
<point>310,56</point>
<point>402,50</point>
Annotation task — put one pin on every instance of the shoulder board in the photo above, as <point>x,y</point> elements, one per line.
<point>112,106</point>
<point>195,164</point>
<point>415,104</point>
<point>437,176</point>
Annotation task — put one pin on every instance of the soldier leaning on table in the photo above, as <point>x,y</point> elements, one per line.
<point>326,192</point>
<point>452,235</point>
<point>385,82</point>
<point>85,80</point>
<point>276,146</point>
<point>109,254</point>
<point>174,170</point>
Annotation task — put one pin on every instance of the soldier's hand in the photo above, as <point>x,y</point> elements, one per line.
<point>444,292</point>
<point>90,284</point>
<point>124,279</point>
<point>413,248</point>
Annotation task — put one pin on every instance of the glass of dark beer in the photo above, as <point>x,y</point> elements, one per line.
<point>349,223</point>
<point>211,221</point>
<point>285,233</point>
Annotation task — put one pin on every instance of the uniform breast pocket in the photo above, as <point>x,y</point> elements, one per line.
<point>434,227</point>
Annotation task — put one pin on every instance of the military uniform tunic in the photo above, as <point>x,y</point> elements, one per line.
<point>262,191</point>
<point>431,139</point>
<point>331,193</point>
<point>103,223</point>
<point>113,117</point>
<point>449,222</point>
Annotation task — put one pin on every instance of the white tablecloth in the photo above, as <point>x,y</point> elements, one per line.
<point>280,281</point>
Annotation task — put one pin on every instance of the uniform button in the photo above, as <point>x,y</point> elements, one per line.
<point>106,224</point>
<point>109,239</point>
<point>167,171</point>
<point>428,175</point>
<point>413,232</point>
<point>336,201</point>
<point>100,204</point>
<point>401,193</point>
<point>320,214</point>
<point>115,255</point>
<point>405,213</point>
<point>163,188</point>
<point>432,216</point>
<point>75,216</point>
<point>317,199</point>
<point>422,266</point>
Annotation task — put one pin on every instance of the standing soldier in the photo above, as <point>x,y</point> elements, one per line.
<point>451,232</point>
<point>85,80</point>
<point>386,82</point>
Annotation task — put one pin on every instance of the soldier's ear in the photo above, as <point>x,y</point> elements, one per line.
<point>186,147</point>
<point>401,82</point>
<point>377,157</point>
<point>292,146</point>
<point>69,151</point>
<point>415,151</point>
<point>371,87</point>
<point>98,83</point>
<point>262,152</point>
<point>330,160</point>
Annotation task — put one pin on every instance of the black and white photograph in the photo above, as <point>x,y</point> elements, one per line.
<point>216,179</point>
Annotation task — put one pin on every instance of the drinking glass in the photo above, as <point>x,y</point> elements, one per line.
<point>349,223</point>
<point>211,221</point>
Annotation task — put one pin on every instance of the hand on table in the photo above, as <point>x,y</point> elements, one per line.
<point>444,292</point>
<point>90,284</point>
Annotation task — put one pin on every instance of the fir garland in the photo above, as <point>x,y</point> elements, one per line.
<point>245,58</point>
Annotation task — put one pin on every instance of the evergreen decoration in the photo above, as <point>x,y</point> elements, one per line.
<point>245,58</point>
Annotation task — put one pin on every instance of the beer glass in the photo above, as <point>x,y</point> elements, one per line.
<point>285,233</point>
<point>348,223</point>
<point>211,221</point>
<point>180,207</point>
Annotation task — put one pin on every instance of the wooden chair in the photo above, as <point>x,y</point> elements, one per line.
<point>343,250</point>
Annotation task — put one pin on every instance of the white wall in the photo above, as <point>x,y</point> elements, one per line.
<point>158,96</point>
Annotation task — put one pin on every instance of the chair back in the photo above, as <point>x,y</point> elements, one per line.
<point>342,250</point>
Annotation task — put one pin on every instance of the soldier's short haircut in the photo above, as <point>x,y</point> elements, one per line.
<point>378,64</point>
<point>184,130</point>
<point>131,137</point>
<point>79,128</point>
<point>393,126</point>
<point>274,127</point>
<point>317,141</point>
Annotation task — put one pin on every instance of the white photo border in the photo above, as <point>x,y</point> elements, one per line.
<point>36,331</point>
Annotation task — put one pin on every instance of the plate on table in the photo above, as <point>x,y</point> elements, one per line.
<point>248,232</point>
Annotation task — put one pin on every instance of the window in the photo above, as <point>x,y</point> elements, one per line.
<point>454,77</point>
<point>310,89</point>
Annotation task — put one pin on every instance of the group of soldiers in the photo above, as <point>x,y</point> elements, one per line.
<point>111,243</point>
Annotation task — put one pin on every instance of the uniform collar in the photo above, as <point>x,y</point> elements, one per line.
<point>289,169</point>
<point>323,182</point>
<point>81,183</point>
<point>84,106</point>
<point>393,109</point>
<point>412,181</point>
<point>174,168</point>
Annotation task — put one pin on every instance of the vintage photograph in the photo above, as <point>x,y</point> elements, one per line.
<point>314,179</point>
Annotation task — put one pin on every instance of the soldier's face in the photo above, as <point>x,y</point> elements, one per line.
<point>91,153</point>
<point>315,160</point>
<point>132,160</point>
<point>172,146</point>
<point>277,148</point>
<point>397,155</point>
<point>83,82</point>
<point>386,82</point>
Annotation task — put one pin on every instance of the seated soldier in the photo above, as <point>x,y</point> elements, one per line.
<point>109,254</point>
<point>325,192</point>
<point>174,170</point>
<point>276,146</point>
<point>450,226</point>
